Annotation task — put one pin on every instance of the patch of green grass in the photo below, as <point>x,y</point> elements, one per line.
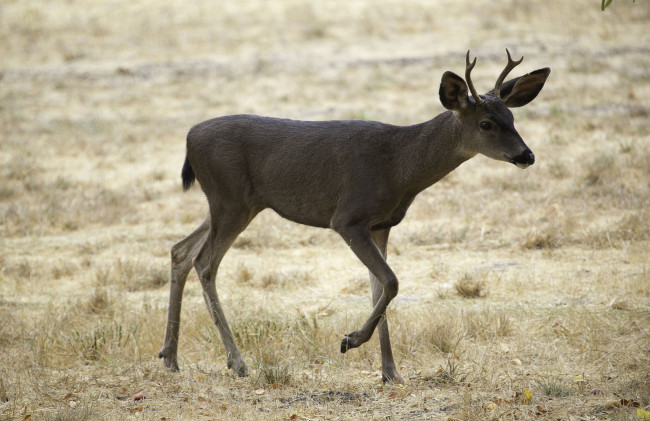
<point>555,388</point>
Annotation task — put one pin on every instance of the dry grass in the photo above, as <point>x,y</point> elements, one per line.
<point>469,287</point>
<point>511,281</point>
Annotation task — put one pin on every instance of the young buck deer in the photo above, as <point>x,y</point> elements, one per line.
<point>355,177</point>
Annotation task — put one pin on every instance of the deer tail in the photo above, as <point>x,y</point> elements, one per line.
<point>188,174</point>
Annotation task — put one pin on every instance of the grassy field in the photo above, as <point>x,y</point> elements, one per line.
<point>524,295</point>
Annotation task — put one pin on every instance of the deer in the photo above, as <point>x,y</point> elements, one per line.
<point>355,177</point>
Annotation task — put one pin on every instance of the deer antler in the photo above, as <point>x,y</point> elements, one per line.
<point>511,65</point>
<point>468,70</point>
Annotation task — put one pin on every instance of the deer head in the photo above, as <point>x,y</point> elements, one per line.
<point>486,122</point>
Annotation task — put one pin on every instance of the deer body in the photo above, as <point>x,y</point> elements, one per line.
<point>356,177</point>
<point>313,172</point>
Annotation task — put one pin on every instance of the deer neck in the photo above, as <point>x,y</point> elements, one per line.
<point>434,150</point>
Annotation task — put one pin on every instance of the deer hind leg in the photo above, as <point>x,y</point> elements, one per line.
<point>360,241</point>
<point>182,256</point>
<point>388,368</point>
<point>224,230</point>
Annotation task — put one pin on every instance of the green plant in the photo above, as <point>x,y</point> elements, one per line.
<point>605,4</point>
<point>554,388</point>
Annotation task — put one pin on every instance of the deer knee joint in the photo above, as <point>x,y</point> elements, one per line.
<point>391,288</point>
<point>178,253</point>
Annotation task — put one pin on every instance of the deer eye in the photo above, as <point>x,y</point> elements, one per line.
<point>485,125</point>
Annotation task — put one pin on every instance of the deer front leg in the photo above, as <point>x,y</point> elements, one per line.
<point>388,369</point>
<point>182,255</point>
<point>361,243</point>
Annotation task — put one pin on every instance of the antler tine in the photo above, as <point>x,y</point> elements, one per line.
<point>511,65</point>
<point>468,69</point>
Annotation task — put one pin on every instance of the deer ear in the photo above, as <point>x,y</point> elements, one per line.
<point>453,92</point>
<point>520,91</point>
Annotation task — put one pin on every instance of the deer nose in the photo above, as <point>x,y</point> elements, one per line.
<point>525,159</point>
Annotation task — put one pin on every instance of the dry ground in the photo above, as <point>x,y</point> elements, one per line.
<point>513,282</point>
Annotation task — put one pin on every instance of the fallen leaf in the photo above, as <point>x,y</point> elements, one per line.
<point>27,418</point>
<point>525,397</point>
<point>491,406</point>
<point>136,409</point>
<point>528,396</point>
<point>541,410</point>
<point>643,415</point>
<point>201,378</point>
<point>68,396</point>
<point>260,391</point>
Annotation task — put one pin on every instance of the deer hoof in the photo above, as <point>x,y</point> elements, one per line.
<point>392,378</point>
<point>350,341</point>
<point>170,360</point>
<point>344,345</point>
<point>239,367</point>
<point>242,371</point>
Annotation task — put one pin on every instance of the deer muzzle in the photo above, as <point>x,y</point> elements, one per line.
<point>523,160</point>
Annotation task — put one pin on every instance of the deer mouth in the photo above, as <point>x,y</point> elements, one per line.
<point>523,160</point>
